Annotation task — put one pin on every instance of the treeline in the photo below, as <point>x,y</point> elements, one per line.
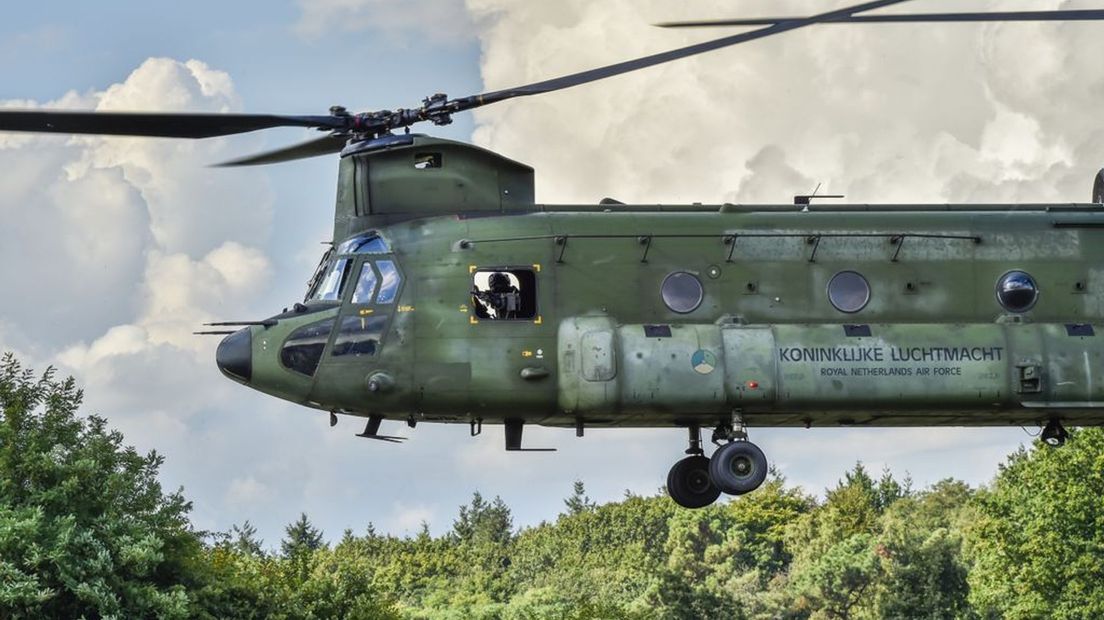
<point>87,531</point>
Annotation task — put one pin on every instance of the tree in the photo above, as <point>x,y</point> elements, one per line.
<point>578,502</point>
<point>888,490</point>
<point>338,584</point>
<point>482,521</point>
<point>838,560</point>
<point>1037,537</point>
<point>244,539</point>
<point>923,574</point>
<point>610,556</point>
<point>855,502</point>
<point>841,579</point>
<point>765,515</point>
<point>85,528</point>
<point>300,538</point>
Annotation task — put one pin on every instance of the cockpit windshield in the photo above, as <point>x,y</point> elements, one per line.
<point>370,243</point>
<point>330,286</point>
<point>334,270</point>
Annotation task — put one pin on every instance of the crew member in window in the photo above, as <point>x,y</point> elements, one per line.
<point>501,300</point>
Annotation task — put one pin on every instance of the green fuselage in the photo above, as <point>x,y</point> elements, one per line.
<point>598,343</point>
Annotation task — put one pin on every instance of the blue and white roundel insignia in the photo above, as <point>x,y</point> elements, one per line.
<point>703,361</point>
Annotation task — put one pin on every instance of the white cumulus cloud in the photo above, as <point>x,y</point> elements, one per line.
<point>883,113</point>
<point>116,249</point>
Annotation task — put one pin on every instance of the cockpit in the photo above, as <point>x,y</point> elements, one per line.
<point>362,272</point>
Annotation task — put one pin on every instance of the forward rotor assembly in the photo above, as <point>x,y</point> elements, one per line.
<point>438,109</point>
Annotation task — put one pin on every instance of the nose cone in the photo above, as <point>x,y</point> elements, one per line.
<point>235,355</point>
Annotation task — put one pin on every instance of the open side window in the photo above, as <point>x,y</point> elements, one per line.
<point>505,294</point>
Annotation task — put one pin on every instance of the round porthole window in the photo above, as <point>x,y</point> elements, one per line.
<point>1017,291</point>
<point>682,292</point>
<point>848,291</point>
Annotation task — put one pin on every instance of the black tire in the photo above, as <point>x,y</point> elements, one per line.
<point>689,484</point>
<point>738,468</point>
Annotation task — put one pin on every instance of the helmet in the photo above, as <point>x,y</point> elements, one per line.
<point>499,281</point>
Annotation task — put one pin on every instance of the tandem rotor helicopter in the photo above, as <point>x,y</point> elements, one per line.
<point>450,296</point>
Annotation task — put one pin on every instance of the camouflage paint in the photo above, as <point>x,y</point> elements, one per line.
<point>932,347</point>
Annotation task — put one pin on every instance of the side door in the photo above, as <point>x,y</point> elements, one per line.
<point>512,346</point>
<point>365,343</point>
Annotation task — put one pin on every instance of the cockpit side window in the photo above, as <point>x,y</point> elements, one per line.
<point>366,285</point>
<point>302,351</point>
<point>319,274</point>
<point>504,294</point>
<point>332,285</point>
<point>359,335</point>
<point>389,282</point>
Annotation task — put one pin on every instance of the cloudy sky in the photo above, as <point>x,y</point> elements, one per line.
<point>114,250</point>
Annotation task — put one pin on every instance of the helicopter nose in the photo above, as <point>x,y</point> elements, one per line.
<point>235,355</point>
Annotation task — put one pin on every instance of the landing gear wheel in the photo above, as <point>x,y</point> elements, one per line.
<point>1054,434</point>
<point>689,483</point>
<point>738,467</point>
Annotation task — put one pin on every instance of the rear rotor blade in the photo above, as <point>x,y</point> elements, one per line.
<point>156,124</point>
<point>1004,16</point>
<point>320,146</point>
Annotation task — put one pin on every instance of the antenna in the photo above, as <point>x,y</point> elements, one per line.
<point>806,199</point>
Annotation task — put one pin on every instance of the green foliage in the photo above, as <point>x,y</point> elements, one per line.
<point>313,585</point>
<point>300,538</point>
<point>1037,540</point>
<point>611,553</point>
<point>243,539</point>
<point>338,585</point>
<point>721,559</point>
<point>922,574</point>
<point>86,530</point>
<point>879,550</point>
<point>842,578</point>
<point>578,502</point>
<point>483,522</point>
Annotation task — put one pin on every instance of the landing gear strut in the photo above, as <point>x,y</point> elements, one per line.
<point>737,467</point>
<point>1054,434</point>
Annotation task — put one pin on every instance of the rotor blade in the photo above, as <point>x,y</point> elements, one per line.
<point>156,124</point>
<point>583,77</point>
<point>312,148</point>
<point>1005,16</point>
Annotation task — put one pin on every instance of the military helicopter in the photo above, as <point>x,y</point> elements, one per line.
<point>449,295</point>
